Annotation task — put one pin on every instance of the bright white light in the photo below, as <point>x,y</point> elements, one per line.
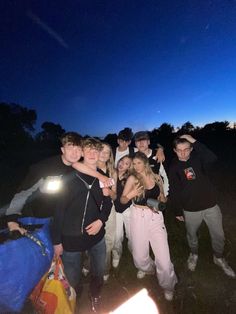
<point>51,185</point>
<point>140,303</point>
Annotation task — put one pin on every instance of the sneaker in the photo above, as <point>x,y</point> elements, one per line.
<point>96,304</point>
<point>115,262</point>
<point>192,261</point>
<point>141,274</point>
<point>85,271</point>
<point>221,262</point>
<point>106,277</point>
<point>169,295</point>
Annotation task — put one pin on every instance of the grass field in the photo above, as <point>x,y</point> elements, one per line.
<point>206,291</point>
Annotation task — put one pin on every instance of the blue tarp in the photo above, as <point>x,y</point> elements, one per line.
<point>22,264</point>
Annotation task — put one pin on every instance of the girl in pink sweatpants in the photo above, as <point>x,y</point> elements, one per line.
<point>147,226</point>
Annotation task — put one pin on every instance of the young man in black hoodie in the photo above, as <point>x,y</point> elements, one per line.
<point>79,224</point>
<point>194,200</point>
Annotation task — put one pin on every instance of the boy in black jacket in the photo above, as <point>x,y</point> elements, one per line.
<point>192,192</point>
<point>79,224</point>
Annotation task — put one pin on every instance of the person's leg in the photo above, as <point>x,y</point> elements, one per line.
<point>97,255</point>
<point>193,221</point>
<point>213,219</point>
<point>72,267</point>
<point>159,243</point>
<point>126,218</point>
<point>140,240</point>
<point>110,237</point>
<point>119,236</point>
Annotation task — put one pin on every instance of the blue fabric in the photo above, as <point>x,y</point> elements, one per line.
<point>22,265</point>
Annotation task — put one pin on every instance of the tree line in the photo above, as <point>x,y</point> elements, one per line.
<point>20,146</point>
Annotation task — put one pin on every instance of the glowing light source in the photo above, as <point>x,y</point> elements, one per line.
<point>140,303</point>
<point>51,185</point>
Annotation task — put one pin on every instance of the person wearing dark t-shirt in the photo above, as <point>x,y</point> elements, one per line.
<point>38,194</point>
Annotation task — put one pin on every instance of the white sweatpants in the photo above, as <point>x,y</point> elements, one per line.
<point>147,228</point>
<point>122,220</point>
<point>110,229</point>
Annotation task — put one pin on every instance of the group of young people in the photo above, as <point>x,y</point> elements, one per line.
<point>106,191</point>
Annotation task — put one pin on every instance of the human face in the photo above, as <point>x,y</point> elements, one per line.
<point>70,153</point>
<point>124,164</point>
<point>142,145</point>
<point>138,165</point>
<point>90,155</point>
<point>123,145</point>
<point>105,153</point>
<point>183,151</point>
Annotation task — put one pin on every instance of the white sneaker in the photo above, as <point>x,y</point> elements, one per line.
<point>85,271</point>
<point>141,274</point>
<point>115,262</point>
<point>106,277</point>
<point>221,262</point>
<point>192,261</point>
<point>169,295</point>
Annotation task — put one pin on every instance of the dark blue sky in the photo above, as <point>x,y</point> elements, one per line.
<point>99,66</point>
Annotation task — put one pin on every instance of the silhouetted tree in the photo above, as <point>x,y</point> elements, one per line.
<point>16,125</point>
<point>50,136</point>
<point>186,128</point>
<point>217,126</point>
<point>111,139</point>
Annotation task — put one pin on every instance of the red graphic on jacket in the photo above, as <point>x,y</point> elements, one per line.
<point>190,174</point>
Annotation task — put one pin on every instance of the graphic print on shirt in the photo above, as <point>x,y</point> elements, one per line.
<point>190,174</point>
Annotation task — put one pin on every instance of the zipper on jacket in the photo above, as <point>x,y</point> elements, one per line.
<point>89,187</point>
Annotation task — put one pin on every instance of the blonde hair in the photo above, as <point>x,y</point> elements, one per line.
<point>110,163</point>
<point>148,172</point>
<point>129,170</point>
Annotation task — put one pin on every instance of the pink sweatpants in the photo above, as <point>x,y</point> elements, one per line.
<point>147,228</point>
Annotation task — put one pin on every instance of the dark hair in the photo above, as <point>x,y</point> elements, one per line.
<point>125,134</point>
<point>180,140</point>
<point>92,142</point>
<point>73,138</point>
<point>141,135</point>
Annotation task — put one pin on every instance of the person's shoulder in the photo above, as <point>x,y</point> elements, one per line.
<point>47,161</point>
<point>174,163</point>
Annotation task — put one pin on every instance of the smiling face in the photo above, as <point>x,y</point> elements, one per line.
<point>91,155</point>
<point>105,153</point>
<point>71,153</point>
<point>142,145</point>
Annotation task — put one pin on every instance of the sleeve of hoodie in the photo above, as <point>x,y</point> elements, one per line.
<point>205,154</point>
<point>105,208</point>
<point>175,191</point>
<point>29,185</point>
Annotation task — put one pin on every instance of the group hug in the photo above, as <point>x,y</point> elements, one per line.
<point>107,193</point>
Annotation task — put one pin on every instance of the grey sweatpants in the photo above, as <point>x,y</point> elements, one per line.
<point>213,219</point>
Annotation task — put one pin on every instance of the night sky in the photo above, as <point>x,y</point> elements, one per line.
<point>98,66</point>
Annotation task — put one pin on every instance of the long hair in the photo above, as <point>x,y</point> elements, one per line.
<point>128,171</point>
<point>148,172</point>
<point>110,164</point>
